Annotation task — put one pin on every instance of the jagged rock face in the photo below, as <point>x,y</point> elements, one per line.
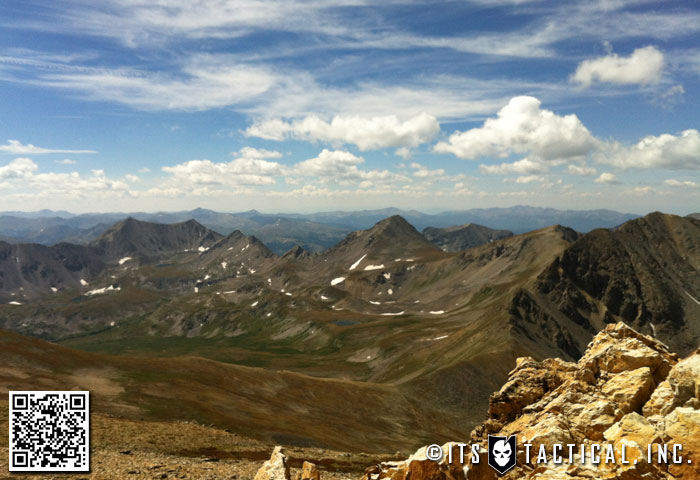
<point>276,468</point>
<point>644,273</point>
<point>627,389</point>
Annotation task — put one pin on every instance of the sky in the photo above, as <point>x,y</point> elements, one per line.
<point>316,105</point>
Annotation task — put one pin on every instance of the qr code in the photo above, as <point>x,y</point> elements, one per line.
<point>49,431</point>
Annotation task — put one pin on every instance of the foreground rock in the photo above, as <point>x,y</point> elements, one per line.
<point>627,391</point>
<point>276,468</point>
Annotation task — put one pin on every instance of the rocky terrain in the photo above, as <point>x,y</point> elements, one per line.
<point>456,239</point>
<point>628,391</point>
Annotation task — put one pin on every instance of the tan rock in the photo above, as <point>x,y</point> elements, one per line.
<point>683,427</point>
<point>276,468</point>
<point>630,389</point>
<point>681,386</point>
<point>309,471</point>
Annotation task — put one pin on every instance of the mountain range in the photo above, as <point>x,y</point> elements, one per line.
<point>280,232</point>
<point>425,334</point>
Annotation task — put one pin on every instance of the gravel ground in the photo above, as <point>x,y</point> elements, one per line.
<point>140,450</point>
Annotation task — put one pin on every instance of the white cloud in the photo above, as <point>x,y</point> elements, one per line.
<point>680,183</point>
<point>530,179</point>
<point>581,170</point>
<point>241,171</point>
<point>338,166</point>
<point>421,171</point>
<point>673,152</point>
<point>144,170</point>
<point>607,178</point>
<point>367,133</point>
<point>523,127</point>
<point>66,161</point>
<point>16,147</point>
<point>18,168</point>
<point>132,178</point>
<point>205,82</point>
<point>644,66</point>
<point>639,191</point>
<point>24,183</point>
<point>520,167</point>
<point>250,152</point>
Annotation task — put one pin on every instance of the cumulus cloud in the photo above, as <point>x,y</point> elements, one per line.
<point>530,179</point>
<point>66,161</point>
<point>680,183</point>
<point>607,178</point>
<point>24,182</point>
<point>241,171</point>
<point>338,166</point>
<point>521,167</point>
<point>644,66</point>
<point>523,127</point>
<point>250,152</point>
<point>18,168</point>
<point>673,152</point>
<point>421,171</point>
<point>581,170</point>
<point>16,147</point>
<point>367,133</point>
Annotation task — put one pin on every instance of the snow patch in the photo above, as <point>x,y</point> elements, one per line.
<point>207,277</point>
<point>202,249</point>
<point>124,260</point>
<point>103,290</point>
<point>338,280</point>
<point>54,289</point>
<point>14,303</point>
<point>397,313</point>
<point>437,338</point>
<point>354,265</point>
<point>390,291</point>
<point>196,290</point>
<point>373,267</point>
<point>254,304</point>
<point>223,265</point>
<point>323,297</point>
<point>288,294</point>
<point>83,282</point>
<point>375,303</point>
<point>251,270</point>
<point>387,276</point>
<point>436,312</point>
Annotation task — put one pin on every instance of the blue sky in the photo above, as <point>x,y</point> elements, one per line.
<point>305,105</point>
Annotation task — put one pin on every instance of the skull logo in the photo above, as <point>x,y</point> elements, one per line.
<point>501,453</point>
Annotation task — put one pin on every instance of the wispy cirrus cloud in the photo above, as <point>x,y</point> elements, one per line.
<point>15,147</point>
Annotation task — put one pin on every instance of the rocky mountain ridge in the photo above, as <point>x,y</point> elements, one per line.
<point>463,237</point>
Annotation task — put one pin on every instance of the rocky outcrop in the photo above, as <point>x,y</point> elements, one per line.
<point>276,468</point>
<point>626,392</point>
<point>309,471</point>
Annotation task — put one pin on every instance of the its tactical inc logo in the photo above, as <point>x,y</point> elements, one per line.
<point>501,455</point>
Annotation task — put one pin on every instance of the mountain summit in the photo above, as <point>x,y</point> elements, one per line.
<point>148,240</point>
